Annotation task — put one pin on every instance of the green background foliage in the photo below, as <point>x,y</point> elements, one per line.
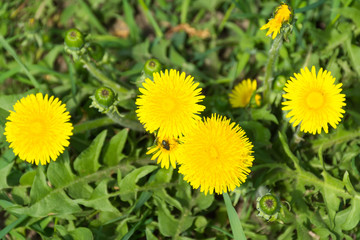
<point>104,186</point>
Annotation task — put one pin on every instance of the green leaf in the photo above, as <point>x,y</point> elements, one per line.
<point>162,194</point>
<point>354,55</point>
<point>99,199</point>
<point>45,201</point>
<point>352,13</point>
<point>127,185</point>
<point>263,114</point>
<point>140,52</point>
<point>149,235</point>
<point>88,161</point>
<point>39,189</point>
<point>302,232</point>
<point>113,154</point>
<point>331,197</point>
<point>81,233</point>
<point>4,172</point>
<point>176,58</point>
<point>27,178</point>
<point>61,175</point>
<point>168,224</point>
<point>59,172</point>
<point>352,213</point>
<point>159,50</point>
<point>3,115</point>
<point>7,101</point>
<point>257,133</point>
<point>204,201</point>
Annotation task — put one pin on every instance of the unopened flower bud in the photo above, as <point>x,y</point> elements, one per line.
<point>105,97</point>
<point>74,39</point>
<point>268,206</point>
<point>152,65</point>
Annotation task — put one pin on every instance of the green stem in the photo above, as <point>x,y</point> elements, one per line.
<point>121,120</point>
<point>234,219</point>
<point>103,78</point>
<point>89,125</point>
<point>273,53</point>
<point>288,151</point>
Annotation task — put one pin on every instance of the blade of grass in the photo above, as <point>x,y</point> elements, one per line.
<point>226,17</point>
<point>235,223</point>
<point>150,18</point>
<point>92,18</point>
<point>130,20</point>
<point>309,7</point>
<point>11,226</point>
<point>184,10</point>
<point>12,52</point>
<point>222,231</point>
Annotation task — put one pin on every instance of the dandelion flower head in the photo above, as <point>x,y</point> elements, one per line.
<point>282,15</point>
<point>169,103</point>
<point>314,100</point>
<point>215,156</point>
<point>242,92</point>
<point>165,151</point>
<point>38,128</point>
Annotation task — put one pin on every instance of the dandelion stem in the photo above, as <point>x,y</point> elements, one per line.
<point>103,78</point>
<point>273,53</point>
<point>120,119</point>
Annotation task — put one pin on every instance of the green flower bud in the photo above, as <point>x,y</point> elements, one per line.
<point>268,206</point>
<point>152,65</point>
<point>96,51</point>
<point>105,97</point>
<point>74,39</point>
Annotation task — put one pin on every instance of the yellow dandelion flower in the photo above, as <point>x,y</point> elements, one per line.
<point>241,94</point>
<point>282,15</point>
<point>215,155</point>
<point>38,128</point>
<point>314,100</point>
<point>165,151</point>
<point>169,103</point>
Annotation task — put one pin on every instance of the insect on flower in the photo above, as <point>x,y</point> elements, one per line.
<point>165,144</point>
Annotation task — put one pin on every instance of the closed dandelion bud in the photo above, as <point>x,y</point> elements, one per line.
<point>74,39</point>
<point>151,66</point>
<point>105,97</point>
<point>268,206</point>
<point>96,51</point>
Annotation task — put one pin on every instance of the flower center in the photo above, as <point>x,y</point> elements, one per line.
<point>315,100</point>
<point>37,128</point>
<point>168,105</point>
<point>213,153</point>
